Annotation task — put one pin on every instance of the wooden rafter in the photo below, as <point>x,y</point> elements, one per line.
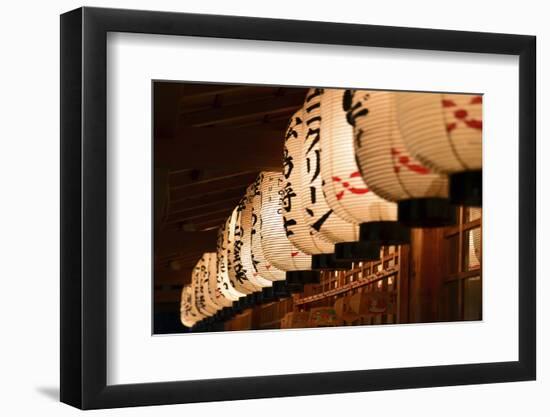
<point>244,111</point>
<point>180,241</point>
<point>221,148</point>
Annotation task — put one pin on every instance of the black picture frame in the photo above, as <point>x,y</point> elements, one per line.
<point>84,207</point>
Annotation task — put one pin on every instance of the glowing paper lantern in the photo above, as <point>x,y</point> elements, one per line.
<point>208,282</point>
<point>224,283</point>
<point>318,215</point>
<point>345,190</point>
<point>386,166</point>
<point>214,291</point>
<point>444,131</point>
<point>475,240</point>
<point>215,284</point>
<point>277,249</point>
<point>188,315</point>
<point>188,311</point>
<point>475,248</point>
<point>242,301</point>
<point>262,265</point>
<point>296,227</point>
<point>246,248</point>
<point>235,268</point>
<point>202,299</point>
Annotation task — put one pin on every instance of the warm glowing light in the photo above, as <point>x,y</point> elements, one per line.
<point>277,249</point>
<point>296,227</point>
<point>225,285</point>
<point>345,190</point>
<point>321,218</point>
<point>386,166</point>
<point>443,131</point>
<point>262,266</point>
<point>246,248</point>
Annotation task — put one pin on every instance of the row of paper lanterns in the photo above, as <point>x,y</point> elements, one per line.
<point>359,169</point>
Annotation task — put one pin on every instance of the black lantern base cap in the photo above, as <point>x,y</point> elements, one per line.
<point>385,233</point>
<point>280,289</point>
<point>426,212</point>
<point>250,300</point>
<point>226,313</point>
<point>465,188</point>
<point>328,261</point>
<point>303,277</point>
<point>229,312</point>
<point>357,251</point>
<point>295,288</point>
<point>257,298</point>
<point>245,301</point>
<point>237,306</point>
<point>267,294</point>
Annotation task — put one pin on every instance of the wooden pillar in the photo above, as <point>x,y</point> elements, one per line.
<point>403,284</point>
<point>426,274</point>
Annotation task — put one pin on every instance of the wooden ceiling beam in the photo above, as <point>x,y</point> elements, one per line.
<point>230,183</point>
<point>172,241</point>
<point>205,90</point>
<point>244,110</point>
<point>194,217</point>
<point>167,296</point>
<point>205,203</point>
<point>166,100</point>
<point>217,194</point>
<point>190,212</point>
<point>170,307</point>
<point>178,261</point>
<point>237,149</point>
<point>203,176</point>
<point>168,277</point>
<point>213,220</point>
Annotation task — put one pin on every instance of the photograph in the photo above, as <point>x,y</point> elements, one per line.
<point>291,207</point>
<point>245,208</point>
<point>260,206</point>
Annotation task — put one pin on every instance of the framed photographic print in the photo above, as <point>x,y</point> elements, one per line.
<point>259,208</point>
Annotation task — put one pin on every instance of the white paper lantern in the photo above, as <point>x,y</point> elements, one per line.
<point>188,314</point>
<point>444,131</point>
<point>277,249</point>
<point>296,227</point>
<point>224,283</point>
<point>260,264</point>
<point>202,299</point>
<point>345,190</point>
<point>246,249</point>
<point>387,167</point>
<point>215,293</point>
<point>474,248</point>
<point>343,186</point>
<point>475,239</point>
<point>208,263</point>
<point>318,215</point>
<point>235,269</point>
